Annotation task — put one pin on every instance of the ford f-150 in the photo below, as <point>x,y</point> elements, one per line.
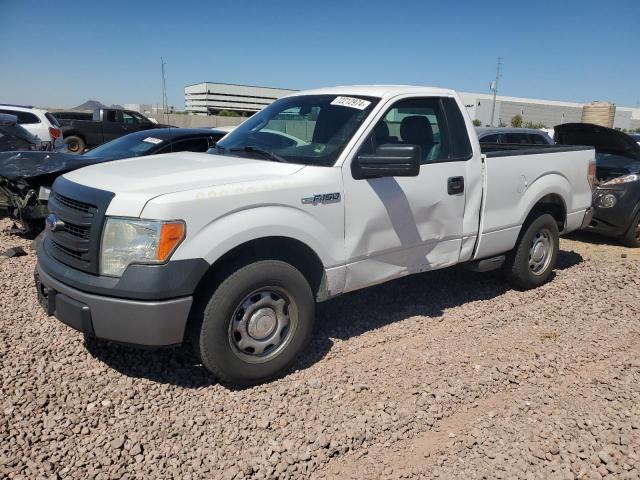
<point>321,193</point>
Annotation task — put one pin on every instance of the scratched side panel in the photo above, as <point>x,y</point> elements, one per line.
<point>395,226</point>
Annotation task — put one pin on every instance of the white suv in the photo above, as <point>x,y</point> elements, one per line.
<point>39,122</point>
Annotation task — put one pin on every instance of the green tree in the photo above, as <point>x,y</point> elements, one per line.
<point>477,123</point>
<point>536,125</point>
<point>228,113</point>
<point>516,121</point>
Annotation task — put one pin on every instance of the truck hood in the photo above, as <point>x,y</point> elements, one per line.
<point>603,139</point>
<point>135,181</point>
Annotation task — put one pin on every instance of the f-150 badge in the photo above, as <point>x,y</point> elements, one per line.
<point>322,198</point>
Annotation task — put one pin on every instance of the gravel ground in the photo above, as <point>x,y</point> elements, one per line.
<point>448,374</point>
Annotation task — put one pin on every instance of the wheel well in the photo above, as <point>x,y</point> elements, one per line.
<point>74,133</point>
<point>554,206</point>
<point>286,249</point>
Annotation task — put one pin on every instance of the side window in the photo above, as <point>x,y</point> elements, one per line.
<point>490,139</point>
<point>137,117</point>
<point>515,138</point>
<point>415,121</point>
<point>538,139</point>
<point>191,145</point>
<point>111,116</point>
<point>460,145</point>
<point>24,118</point>
<point>129,119</point>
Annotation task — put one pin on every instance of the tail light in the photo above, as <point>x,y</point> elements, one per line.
<point>591,173</point>
<point>55,133</point>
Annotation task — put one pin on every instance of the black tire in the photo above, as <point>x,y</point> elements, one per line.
<point>632,237</point>
<point>75,144</point>
<point>522,267</point>
<point>224,345</point>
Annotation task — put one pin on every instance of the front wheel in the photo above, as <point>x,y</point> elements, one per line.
<point>531,262</point>
<point>255,323</point>
<point>632,237</point>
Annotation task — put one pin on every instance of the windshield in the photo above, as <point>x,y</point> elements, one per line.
<point>306,129</point>
<point>124,147</point>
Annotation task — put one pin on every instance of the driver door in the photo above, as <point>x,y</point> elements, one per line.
<point>400,225</point>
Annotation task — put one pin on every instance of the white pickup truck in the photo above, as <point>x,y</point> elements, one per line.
<point>321,193</point>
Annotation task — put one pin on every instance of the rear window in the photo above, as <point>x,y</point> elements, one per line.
<point>52,119</point>
<point>24,118</point>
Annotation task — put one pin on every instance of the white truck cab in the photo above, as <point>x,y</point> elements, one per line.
<point>321,193</point>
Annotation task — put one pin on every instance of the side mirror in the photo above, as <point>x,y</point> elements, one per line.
<point>390,160</point>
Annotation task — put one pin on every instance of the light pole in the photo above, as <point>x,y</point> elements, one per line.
<point>494,88</point>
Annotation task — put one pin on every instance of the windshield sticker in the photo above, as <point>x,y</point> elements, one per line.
<point>351,102</point>
<point>155,141</point>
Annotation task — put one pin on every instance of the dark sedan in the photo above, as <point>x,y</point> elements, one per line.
<point>27,176</point>
<point>616,200</point>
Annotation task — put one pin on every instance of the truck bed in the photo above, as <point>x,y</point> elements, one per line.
<point>516,178</point>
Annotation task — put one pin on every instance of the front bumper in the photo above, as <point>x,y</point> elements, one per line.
<point>616,220</point>
<point>588,216</point>
<point>147,323</point>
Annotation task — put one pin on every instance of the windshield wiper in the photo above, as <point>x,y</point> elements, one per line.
<point>258,150</point>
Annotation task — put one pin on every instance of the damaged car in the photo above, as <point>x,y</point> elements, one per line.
<point>616,199</point>
<point>15,137</point>
<point>26,176</point>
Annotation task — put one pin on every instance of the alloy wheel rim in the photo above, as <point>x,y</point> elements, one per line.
<point>262,324</point>
<point>540,252</point>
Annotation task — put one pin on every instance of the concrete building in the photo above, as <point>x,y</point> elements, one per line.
<point>147,109</point>
<point>547,112</point>
<point>209,98</point>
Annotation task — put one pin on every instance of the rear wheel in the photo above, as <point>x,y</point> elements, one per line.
<point>531,262</point>
<point>632,237</point>
<point>255,323</point>
<point>75,144</point>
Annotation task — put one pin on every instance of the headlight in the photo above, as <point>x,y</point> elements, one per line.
<point>126,241</point>
<point>626,179</point>
<point>606,201</point>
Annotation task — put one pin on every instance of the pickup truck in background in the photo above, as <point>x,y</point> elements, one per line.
<point>321,193</point>
<point>104,125</point>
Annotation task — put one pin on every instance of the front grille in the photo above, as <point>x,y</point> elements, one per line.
<point>70,252</point>
<point>74,204</point>
<point>80,211</point>
<point>77,231</point>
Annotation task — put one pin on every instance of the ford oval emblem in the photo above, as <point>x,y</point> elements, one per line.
<point>53,223</point>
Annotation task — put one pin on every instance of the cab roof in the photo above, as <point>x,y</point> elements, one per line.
<point>380,91</point>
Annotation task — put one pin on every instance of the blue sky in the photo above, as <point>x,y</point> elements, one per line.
<point>61,53</point>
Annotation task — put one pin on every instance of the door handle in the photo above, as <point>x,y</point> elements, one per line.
<point>455,185</point>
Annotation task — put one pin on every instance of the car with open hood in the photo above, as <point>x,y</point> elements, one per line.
<point>26,176</point>
<point>616,199</point>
